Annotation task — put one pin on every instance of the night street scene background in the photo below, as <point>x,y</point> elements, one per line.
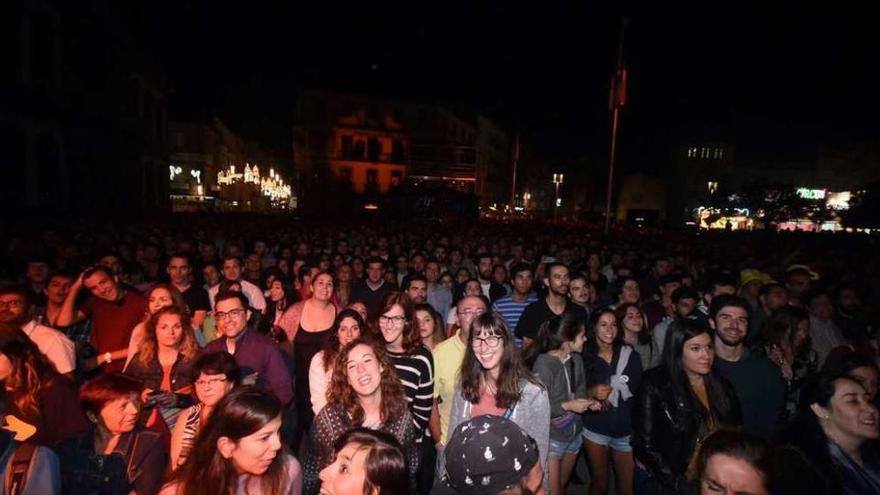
<point>661,151</point>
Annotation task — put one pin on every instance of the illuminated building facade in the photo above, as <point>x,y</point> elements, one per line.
<point>371,145</point>
<point>213,168</point>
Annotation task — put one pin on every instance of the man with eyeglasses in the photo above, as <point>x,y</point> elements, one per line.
<point>15,308</point>
<point>556,303</point>
<point>448,356</point>
<point>258,356</point>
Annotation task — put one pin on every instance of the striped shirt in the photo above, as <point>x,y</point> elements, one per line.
<point>416,373</point>
<point>512,310</point>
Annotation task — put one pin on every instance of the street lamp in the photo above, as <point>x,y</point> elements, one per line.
<point>557,180</point>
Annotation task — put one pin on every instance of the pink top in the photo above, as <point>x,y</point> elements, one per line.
<point>486,405</point>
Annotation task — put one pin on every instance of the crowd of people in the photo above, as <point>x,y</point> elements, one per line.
<point>192,356</point>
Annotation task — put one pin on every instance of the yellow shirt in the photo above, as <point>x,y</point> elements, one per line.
<point>448,356</point>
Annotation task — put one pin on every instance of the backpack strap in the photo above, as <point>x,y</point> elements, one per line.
<point>19,466</point>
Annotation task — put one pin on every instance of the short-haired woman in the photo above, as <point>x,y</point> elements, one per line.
<point>114,456</point>
<point>367,462</point>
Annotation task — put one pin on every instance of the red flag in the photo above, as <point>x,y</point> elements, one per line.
<point>617,94</point>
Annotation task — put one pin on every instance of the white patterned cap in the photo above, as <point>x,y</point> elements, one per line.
<point>488,454</point>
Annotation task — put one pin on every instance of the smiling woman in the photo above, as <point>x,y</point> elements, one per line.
<point>835,427</point>
<point>364,392</point>
<point>679,404</point>
<point>494,380</point>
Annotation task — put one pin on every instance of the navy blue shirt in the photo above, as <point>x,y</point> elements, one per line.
<point>761,391</point>
<point>613,422</point>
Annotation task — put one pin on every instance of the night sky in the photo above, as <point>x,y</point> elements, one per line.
<point>776,79</point>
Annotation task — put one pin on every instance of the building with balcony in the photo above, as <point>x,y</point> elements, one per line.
<point>370,145</point>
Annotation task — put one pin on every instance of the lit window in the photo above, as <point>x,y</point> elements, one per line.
<point>712,186</point>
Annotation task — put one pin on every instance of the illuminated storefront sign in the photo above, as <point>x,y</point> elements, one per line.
<point>811,193</point>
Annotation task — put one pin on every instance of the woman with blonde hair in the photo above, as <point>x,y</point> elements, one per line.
<point>163,363</point>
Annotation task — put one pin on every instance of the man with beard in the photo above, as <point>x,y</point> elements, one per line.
<point>113,310</point>
<point>799,281</point>
<point>771,296</point>
<point>850,317</point>
<point>757,381</point>
<point>684,300</point>
<point>15,308</point>
<point>417,289</point>
<point>491,289</point>
<point>556,303</point>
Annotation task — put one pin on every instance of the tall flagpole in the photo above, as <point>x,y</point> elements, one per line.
<point>617,99</point>
<point>513,181</point>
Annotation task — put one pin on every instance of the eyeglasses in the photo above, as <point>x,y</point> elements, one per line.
<point>210,383</point>
<point>490,342</point>
<point>471,312</point>
<point>15,303</point>
<point>233,313</point>
<point>394,320</point>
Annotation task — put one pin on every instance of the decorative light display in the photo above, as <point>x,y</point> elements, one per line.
<point>271,186</point>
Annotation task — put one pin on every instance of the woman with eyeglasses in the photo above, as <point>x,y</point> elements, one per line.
<point>213,375</point>
<point>494,380</point>
<point>347,327</point>
<point>397,327</point>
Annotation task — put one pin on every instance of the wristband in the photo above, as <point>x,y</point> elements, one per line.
<point>108,358</point>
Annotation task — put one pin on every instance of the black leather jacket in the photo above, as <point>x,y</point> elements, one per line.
<point>666,424</point>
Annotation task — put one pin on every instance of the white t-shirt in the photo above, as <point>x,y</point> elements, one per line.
<point>54,344</point>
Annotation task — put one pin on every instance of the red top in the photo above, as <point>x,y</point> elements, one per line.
<point>112,323</point>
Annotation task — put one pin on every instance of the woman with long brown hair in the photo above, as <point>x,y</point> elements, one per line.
<point>396,326</point>
<point>160,296</point>
<point>239,450</point>
<point>347,327</point>
<point>364,392</point>
<point>41,404</point>
<point>494,380</point>
<point>163,363</point>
